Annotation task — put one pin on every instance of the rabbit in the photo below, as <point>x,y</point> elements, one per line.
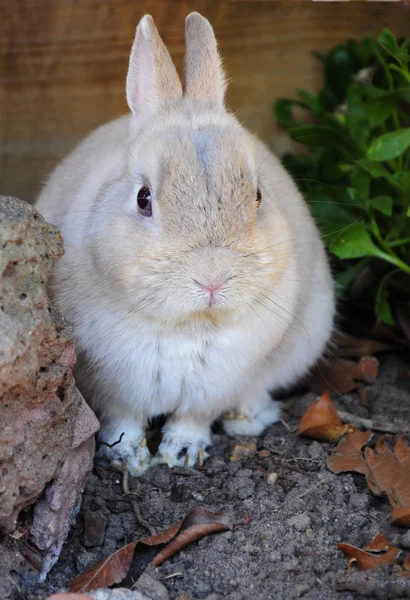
<point>193,273</point>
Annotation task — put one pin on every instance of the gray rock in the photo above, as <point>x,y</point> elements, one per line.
<point>46,429</point>
<point>118,594</point>
<point>151,587</point>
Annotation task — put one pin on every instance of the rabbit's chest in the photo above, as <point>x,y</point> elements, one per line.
<point>170,371</point>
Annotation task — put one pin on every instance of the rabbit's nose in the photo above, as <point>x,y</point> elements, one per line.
<point>211,289</point>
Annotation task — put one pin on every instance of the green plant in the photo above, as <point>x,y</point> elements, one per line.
<point>356,175</point>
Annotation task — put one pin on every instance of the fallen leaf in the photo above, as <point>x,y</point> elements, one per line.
<point>197,523</point>
<point>343,376</point>
<point>242,451</point>
<point>404,569</point>
<point>349,346</point>
<point>378,552</point>
<point>348,454</point>
<point>370,366</point>
<point>321,420</point>
<point>379,543</point>
<point>390,471</point>
<point>401,516</point>
<point>386,471</point>
<point>404,319</point>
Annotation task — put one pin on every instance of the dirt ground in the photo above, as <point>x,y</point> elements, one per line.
<point>283,544</point>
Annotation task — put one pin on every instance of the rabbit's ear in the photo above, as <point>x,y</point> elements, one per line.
<point>152,80</point>
<point>203,78</point>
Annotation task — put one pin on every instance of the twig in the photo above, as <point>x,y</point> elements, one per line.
<point>374,425</point>
<point>113,444</point>
<point>134,503</point>
<point>285,424</point>
<point>313,487</point>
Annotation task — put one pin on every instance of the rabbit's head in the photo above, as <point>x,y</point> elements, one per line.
<point>194,231</point>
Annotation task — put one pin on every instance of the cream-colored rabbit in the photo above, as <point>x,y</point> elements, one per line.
<point>193,272</point>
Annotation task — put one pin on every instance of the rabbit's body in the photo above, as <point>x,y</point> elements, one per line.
<point>201,308</point>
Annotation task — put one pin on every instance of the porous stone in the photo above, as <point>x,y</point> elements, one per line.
<point>46,429</point>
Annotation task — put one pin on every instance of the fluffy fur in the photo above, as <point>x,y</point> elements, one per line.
<point>149,340</point>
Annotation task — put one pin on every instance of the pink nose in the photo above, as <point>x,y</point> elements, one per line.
<point>211,289</point>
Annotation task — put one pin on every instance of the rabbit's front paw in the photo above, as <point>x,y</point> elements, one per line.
<point>129,449</point>
<point>254,420</point>
<point>183,445</point>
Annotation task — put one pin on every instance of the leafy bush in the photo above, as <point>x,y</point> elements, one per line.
<point>356,175</point>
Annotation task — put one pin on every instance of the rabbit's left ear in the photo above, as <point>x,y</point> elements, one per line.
<point>204,78</point>
<point>152,80</point>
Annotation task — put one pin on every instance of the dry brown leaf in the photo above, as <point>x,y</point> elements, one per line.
<point>348,346</point>
<point>242,451</point>
<point>390,471</point>
<point>321,420</point>
<point>343,376</point>
<point>369,365</point>
<point>197,523</point>
<point>378,552</point>
<point>385,470</point>
<point>379,543</point>
<point>348,454</point>
<point>404,569</point>
<point>401,516</point>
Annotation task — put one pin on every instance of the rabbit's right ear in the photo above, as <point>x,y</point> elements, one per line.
<point>152,80</point>
<point>204,77</point>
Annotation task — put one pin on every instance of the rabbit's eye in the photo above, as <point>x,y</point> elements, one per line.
<point>144,202</point>
<point>258,196</point>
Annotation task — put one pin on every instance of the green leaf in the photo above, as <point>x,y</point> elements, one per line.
<point>360,180</point>
<point>382,307</point>
<point>403,179</point>
<point>380,108</point>
<point>325,209</point>
<point>389,42</point>
<point>283,112</point>
<point>345,278</point>
<point>341,64</point>
<point>322,136</point>
<point>389,145</point>
<point>354,242</point>
<point>311,101</point>
<point>387,39</point>
<point>373,168</point>
<point>408,212</point>
<point>383,204</point>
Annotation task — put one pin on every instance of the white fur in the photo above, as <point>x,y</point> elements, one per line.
<point>170,354</point>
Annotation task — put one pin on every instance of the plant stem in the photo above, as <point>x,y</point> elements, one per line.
<point>388,255</point>
<point>386,69</point>
<point>399,242</point>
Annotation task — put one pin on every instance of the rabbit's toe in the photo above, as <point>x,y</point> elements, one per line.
<point>133,451</point>
<point>183,448</point>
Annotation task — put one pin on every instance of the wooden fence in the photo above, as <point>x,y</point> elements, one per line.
<point>63,64</point>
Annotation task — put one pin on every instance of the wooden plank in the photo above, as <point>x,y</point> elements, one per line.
<point>63,64</point>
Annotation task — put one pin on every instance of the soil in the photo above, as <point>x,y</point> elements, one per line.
<point>284,542</point>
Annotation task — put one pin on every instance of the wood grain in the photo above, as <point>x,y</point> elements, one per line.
<point>63,64</point>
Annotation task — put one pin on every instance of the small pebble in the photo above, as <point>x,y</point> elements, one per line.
<point>94,528</point>
<point>271,479</point>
